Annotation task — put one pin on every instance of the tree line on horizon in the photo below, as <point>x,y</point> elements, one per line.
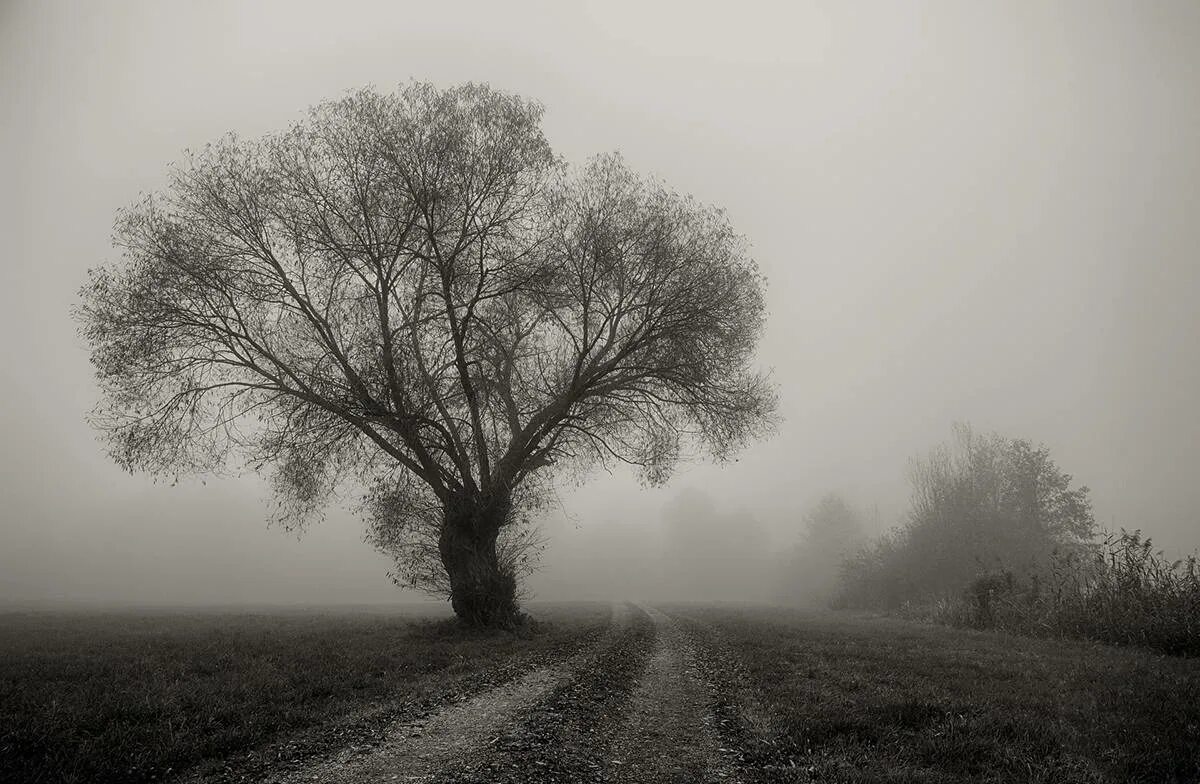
<point>998,536</point>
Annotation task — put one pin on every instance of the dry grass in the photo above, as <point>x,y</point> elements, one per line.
<point>127,697</point>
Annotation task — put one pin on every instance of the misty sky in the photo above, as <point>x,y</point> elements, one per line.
<point>966,212</point>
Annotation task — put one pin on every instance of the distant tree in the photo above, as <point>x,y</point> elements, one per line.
<point>979,503</point>
<point>989,501</point>
<point>712,553</point>
<point>411,293</point>
<point>831,532</point>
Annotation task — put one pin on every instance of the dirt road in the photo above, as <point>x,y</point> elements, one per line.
<point>423,749</point>
<point>637,708</point>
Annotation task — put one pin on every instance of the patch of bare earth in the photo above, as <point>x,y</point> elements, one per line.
<point>421,749</point>
<point>669,734</point>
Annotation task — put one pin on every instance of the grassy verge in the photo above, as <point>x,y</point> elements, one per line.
<point>845,699</point>
<point>133,697</point>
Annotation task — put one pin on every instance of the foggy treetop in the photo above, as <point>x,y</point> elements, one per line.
<point>416,274</point>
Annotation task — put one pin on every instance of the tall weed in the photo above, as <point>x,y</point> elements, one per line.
<point>1119,590</point>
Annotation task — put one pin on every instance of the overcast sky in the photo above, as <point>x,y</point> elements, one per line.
<point>981,212</point>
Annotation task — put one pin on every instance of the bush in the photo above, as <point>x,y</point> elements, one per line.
<point>1123,592</point>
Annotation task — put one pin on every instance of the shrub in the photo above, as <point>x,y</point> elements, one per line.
<point>1123,592</point>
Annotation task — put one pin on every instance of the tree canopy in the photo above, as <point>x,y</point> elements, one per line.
<point>411,292</point>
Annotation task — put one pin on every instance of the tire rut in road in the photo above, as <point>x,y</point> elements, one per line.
<point>670,733</point>
<point>421,749</point>
<point>739,718</point>
<point>566,736</point>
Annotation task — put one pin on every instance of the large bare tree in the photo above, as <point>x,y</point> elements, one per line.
<point>411,293</point>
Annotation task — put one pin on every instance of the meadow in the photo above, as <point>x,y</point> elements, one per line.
<point>855,698</point>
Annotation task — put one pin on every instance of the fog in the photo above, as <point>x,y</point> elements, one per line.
<point>983,212</point>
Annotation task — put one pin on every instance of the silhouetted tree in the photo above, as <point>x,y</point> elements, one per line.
<point>411,292</point>
<point>988,501</point>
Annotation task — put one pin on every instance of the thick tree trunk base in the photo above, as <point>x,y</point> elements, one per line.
<point>491,605</point>
<point>482,592</point>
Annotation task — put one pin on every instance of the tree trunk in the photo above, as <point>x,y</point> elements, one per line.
<point>482,591</point>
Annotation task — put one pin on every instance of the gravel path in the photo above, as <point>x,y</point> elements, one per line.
<point>420,750</point>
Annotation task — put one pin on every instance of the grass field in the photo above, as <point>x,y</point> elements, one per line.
<point>839,698</point>
<point>128,696</point>
<point>138,697</point>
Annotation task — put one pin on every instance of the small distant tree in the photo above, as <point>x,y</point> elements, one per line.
<point>410,292</point>
<point>831,532</point>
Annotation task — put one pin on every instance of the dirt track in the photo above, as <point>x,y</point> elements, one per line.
<point>423,749</point>
<point>637,708</point>
<point>669,733</point>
